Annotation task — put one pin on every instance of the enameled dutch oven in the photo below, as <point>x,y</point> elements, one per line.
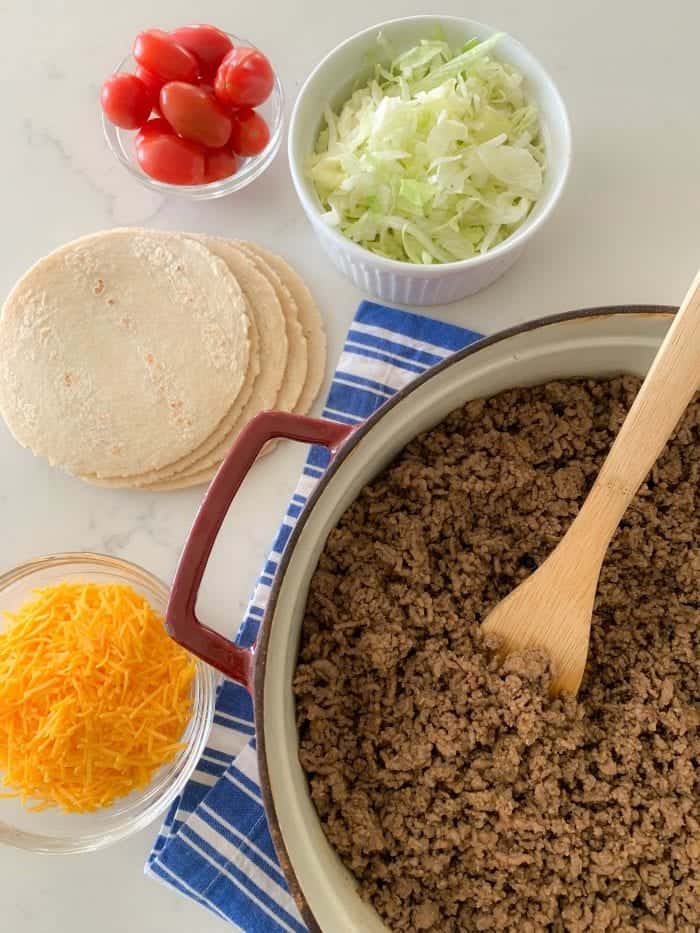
<point>597,342</point>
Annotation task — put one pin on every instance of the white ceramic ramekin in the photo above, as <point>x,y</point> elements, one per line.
<point>331,83</point>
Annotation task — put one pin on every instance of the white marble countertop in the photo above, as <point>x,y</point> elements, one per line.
<point>626,231</point>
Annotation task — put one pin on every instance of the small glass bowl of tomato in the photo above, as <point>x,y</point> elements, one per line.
<point>122,142</point>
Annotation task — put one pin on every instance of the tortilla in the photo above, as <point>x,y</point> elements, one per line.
<point>309,318</point>
<point>291,390</point>
<point>184,481</point>
<point>297,363</point>
<point>121,352</point>
<point>288,286</point>
<point>267,313</point>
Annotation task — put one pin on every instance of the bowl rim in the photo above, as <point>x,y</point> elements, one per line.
<point>66,558</point>
<point>574,317</point>
<point>253,167</point>
<point>516,239</point>
<point>182,767</point>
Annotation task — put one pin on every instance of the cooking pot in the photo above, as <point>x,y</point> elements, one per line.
<point>597,342</point>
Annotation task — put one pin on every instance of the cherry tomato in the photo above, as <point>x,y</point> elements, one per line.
<point>126,100</point>
<point>220,163</point>
<point>195,114</point>
<point>156,127</point>
<point>244,79</point>
<point>168,158</point>
<point>153,82</point>
<point>156,51</point>
<point>208,45</point>
<point>249,132</point>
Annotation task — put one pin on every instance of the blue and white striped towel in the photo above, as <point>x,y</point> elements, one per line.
<point>214,845</point>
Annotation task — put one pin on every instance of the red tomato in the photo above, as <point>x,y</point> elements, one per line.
<point>221,163</point>
<point>195,114</point>
<point>249,132</point>
<point>208,45</point>
<point>158,53</point>
<point>156,127</point>
<point>244,79</point>
<point>126,100</point>
<point>168,158</point>
<point>153,82</point>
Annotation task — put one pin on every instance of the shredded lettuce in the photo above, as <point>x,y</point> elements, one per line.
<point>438,158</point>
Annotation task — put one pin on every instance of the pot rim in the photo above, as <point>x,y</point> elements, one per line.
<point>263,641</point>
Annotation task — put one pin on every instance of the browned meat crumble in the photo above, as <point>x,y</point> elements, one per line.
<point>456,791</point>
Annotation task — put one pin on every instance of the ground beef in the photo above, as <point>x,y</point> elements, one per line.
<point>456,791</point>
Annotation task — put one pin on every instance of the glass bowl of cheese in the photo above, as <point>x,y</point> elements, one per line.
<point>103,718</point>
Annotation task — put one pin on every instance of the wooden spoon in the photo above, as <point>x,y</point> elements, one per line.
<point>551,610</point>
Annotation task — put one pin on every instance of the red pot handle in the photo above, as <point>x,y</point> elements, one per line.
<point>181,620</point>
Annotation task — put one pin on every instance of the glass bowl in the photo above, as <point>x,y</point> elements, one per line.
<point>121,142</point>
<point>53,830</point>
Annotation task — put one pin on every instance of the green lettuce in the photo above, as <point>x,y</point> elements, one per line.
<point>438,158</point>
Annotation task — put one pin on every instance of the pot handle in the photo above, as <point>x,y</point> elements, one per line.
<point>181,620</point>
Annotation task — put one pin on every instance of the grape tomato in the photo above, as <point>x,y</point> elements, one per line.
<point>155,127</point>
<point>249,132</point>
<point>158,52</point>
<point>168,158</point>
<point>191,102</point>
<point>220,163</point>
<point>126,100</point>
<point>153,82</point>
<point>208,45</point>
<point>195,114</point>
<point>244,79</point>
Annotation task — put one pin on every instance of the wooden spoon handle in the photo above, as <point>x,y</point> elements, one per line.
<point>670,384</point>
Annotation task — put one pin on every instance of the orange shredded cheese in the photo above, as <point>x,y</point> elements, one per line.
<point>94,696</point>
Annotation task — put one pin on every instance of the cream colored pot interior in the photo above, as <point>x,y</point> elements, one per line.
<point>585,346</point>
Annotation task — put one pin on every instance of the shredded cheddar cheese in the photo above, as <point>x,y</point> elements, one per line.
<point>94,697</point>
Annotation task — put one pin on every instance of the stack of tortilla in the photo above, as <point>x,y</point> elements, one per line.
<point>134,357</point>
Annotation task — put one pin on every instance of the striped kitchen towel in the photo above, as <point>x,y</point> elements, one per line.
<point>214,845</point>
